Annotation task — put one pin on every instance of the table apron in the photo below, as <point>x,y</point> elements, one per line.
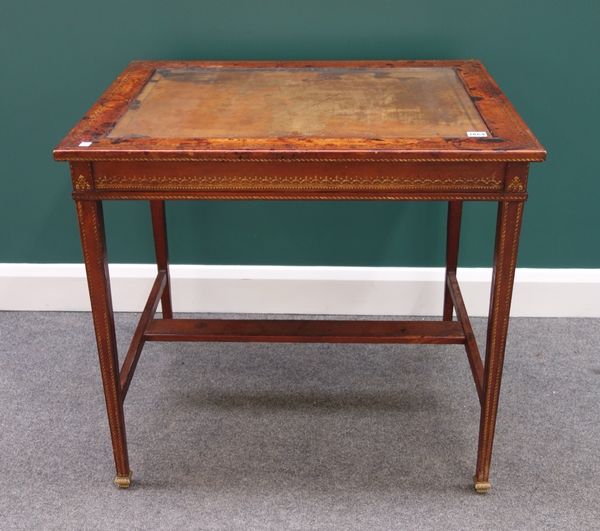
<point>341,180</point>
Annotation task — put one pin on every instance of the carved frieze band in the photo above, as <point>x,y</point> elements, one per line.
<point>293,182</point>
<point>408,195</point>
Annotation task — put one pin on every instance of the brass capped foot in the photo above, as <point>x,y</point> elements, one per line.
<point>123,482</point>
<point>481,487</point>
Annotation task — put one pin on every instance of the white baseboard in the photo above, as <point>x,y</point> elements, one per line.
<point>311,290</point>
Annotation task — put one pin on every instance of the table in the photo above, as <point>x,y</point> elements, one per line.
<point>327,130</point>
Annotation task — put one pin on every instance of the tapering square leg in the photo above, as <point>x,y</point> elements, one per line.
<point>505,258</point>
<point>159,227</point>
<point>452,240</point>
<point>91,226</point>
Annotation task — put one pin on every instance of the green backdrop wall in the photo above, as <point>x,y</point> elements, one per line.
<point>57,57</point>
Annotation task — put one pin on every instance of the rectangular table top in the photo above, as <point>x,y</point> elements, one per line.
<point>198,110</point>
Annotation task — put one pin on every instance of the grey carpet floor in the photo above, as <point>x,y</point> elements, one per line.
<point>255,436</point>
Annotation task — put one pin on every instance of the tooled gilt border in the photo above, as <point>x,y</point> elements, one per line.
<point>292,183</point>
